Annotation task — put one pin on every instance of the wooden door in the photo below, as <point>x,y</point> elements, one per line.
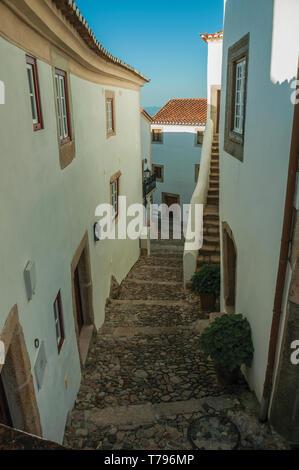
<point>79,309</point>
<point>5,417</point>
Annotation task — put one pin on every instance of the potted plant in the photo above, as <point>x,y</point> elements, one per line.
<point>228,342</point>
<point>206,283</point>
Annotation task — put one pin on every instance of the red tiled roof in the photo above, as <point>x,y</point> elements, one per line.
<point>72,13</point>
<point>185,111</point>
<point>207,37</point>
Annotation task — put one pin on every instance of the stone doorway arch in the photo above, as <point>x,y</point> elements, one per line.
<point>229,260</point>
<point>17,378</point>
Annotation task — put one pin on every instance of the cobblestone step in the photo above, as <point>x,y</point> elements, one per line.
<point>151,290</point>
<point>152,313</point>
<point>159,273</point>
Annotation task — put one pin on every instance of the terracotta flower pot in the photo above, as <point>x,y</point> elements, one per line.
<point>208,302</point>
<point>226,376</point>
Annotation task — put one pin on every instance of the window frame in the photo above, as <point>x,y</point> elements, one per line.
<point>201,134</point>
<point>161,167</point>
<point>115,180</point>
<point>32,64</point>
<point>234,141</point>
<point>110,98</point>
<point>59,320</point>
<point>239,129</point>
<point>60,117</point>
<point>157,132</point>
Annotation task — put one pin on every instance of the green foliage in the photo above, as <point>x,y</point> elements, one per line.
<point>206,280</point>
<point>228,341</point>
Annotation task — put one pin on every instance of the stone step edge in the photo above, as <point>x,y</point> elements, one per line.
<point>162,283</point>
<point>170,303</point>
<point>131,331</point>
<point>141,414</point>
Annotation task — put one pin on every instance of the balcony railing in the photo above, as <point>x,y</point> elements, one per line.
<point>149,184</point>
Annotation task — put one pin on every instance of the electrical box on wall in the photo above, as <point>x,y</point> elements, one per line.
<point>30,279</point>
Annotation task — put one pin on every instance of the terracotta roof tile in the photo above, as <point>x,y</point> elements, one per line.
<point>208,37</point>
<point>72,13</point>
<point>184,111</point>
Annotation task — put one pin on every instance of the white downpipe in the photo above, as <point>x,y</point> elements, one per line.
<point>199,196</point>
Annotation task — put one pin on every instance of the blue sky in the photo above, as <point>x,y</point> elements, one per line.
<point>161,39</point>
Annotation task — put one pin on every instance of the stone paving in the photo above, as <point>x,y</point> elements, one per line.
<point>145,379</point>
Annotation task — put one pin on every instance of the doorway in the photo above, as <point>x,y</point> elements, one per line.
<point>82,297</point>
<point>5,416</point>
<point>18,405</point>
<point>229,268</point>
<point>79,308</point>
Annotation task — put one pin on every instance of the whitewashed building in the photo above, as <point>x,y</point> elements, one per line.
<point>177,134</point>
<point>69,141</point>
<point>259,149</point>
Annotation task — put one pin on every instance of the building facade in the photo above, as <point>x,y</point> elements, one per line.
<point>259,151</point>
<point>177,135</point>
<point>69,141</point>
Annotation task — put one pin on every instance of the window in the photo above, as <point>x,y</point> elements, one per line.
<point>199,137</point>
<point>240,74</point>
<point>114,193</point>
<point>110,113</point>
<point>63,111</point>
<point>58,322</point>
<point>236,91</point>
<point>159,172</point>
<point>34,93</point>
<point>157,135</point>
<point>196,168</point>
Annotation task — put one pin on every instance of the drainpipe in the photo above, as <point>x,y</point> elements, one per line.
<point>283,260</point>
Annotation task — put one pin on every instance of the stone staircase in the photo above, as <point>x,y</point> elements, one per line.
<point>210,251</point>
<point>145,375</point>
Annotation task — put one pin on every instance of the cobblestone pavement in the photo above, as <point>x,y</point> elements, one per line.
<point>145,379</point>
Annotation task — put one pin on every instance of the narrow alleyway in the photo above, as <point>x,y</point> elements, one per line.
<point>145,378</point>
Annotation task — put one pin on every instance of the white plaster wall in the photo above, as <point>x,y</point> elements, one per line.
<point>178,154</point>
<point>45,212</point>
<point>214,64</point>
<point>252,193</point>
<point>146,141</point>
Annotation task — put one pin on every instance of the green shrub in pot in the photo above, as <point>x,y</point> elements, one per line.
<point>228,342</point>
<point>206,284</point>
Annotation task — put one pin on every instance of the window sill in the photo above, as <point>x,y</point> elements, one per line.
<point>37,127</point>
<point>110,134</point>
<point>66,153</point>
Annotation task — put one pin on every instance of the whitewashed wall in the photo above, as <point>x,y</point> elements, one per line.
<point>45,212</point>
<point>252,193</point>
<point>178,154</point>
<point>214,65</point>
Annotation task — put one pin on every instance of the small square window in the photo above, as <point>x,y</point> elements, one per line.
<point>157,135</point>
<point>34,93</point>
<point>199,137</point>
<point>159,172</point>
<point>58,318</point>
